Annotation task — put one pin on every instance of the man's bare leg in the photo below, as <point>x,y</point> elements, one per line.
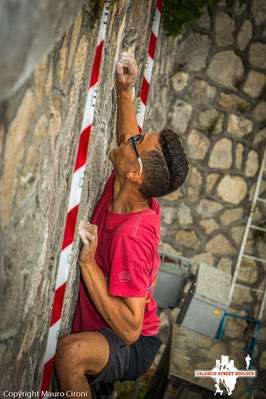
<point>77,354</point>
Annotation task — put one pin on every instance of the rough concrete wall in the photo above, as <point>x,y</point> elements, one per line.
<point>28,30</point>
<point>211,90</point>
<point>39,134</point>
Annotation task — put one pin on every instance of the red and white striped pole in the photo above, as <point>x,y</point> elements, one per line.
<point>141,109</point>
<point>78,177</point>
<point>73,207</point>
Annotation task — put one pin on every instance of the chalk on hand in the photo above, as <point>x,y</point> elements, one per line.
<point>82,233</point>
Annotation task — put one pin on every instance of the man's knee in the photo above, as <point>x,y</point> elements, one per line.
<point>82,352</point>
<point>68,353</point>
<point>63,340</point>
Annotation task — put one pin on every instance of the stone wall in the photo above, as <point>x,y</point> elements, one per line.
<point>211,91</point>
<point>39,130</point>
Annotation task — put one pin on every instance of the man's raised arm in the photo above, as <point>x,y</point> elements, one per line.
<point>126,72</point>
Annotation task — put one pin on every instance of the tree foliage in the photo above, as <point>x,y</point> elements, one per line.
<point>180,14</point>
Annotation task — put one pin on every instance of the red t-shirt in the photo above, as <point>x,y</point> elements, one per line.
<point>127,253</point>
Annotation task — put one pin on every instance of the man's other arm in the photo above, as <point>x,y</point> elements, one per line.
<point>124,315</point>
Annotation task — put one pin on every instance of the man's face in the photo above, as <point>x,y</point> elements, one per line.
<point>124,157</point>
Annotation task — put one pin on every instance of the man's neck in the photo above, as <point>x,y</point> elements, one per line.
<point>128,200</point>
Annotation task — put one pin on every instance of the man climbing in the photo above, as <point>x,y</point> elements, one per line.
<point>115,328</point>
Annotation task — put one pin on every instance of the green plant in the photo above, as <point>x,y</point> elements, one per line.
<point>180,14</point>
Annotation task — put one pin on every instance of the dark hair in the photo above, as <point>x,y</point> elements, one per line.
<point>165,169</point>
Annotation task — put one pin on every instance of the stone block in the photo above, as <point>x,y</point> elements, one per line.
<point>209,225</point>
<point>239,125</point>
<point>232,215</point>
<point>224,29</point>
<point>187,238</point>
<point>225,264</point>
<point>212,121</point>
<point>232,189</point>
<point>207,208</point>
<point>230,102</point>
<point>259,112</point>
<point>179,81</point>
<point>192,52</point>
<point>211,180</point>
<point>258,8</point>
<point>226,68</point>
<point>168,214</point>
<point>248,272</point>
<point>260,136</point>
<point>237,234</point>
<point>197,144</point>
<point>201,93</point>
<point>257,54</point>
<point>194,184</point>
<point>220,245</point>
<point>221,154</point>
<point>184,215</point>
<point>181,116</point>
<point>193,194</point>
<point>255,84</point>
<point>245,34</point>
<point>239,155</point>
<point>252,164</point>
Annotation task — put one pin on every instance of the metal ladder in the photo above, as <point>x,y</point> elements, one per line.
<point>242,254</point>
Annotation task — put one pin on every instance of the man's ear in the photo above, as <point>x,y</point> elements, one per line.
<point>135,176</point>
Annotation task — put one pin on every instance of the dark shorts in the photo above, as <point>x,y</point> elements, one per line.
<point>126,362</point>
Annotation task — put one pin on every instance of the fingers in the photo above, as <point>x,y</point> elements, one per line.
<point>127,61</point>
<point>87,232</point>
<point>83,235</point>
<point>84,239</point>
<point>88,226</point>
<point>130,64</point>
<point>119,68</point>
<point>127,55</point>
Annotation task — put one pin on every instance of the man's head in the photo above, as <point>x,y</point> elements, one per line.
<point>164,161</point>
<point>165,169</point>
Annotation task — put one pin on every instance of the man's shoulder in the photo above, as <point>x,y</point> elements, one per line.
<point>149,229</point>
<point>139,231</point>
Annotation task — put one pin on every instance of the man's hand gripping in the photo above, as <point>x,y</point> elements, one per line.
<point>126,71</point>
<point>89,238</point>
